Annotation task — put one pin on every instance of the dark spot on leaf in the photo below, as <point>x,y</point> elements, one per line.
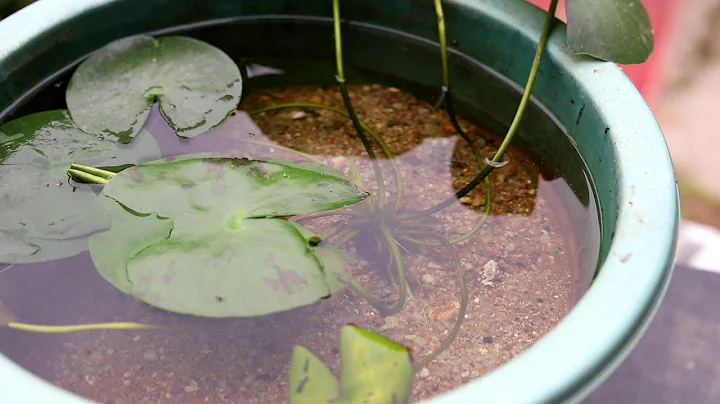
<point>455,42</point>
<point>306,366</point>
<point>219,299</point>
<point>607,129</point>
<point>161,175</point>
<point>321,185</point>
<point>314,241</point>
<point>301,386</point>
<point>187,184</point>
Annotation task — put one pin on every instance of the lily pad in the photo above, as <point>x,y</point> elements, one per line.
<point>375,370</point>
<point>206,235</point>
<point>196,84</point>
<point>614,30</point>
<point>43,217</point>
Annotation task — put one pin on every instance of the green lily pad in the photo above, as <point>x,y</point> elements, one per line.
<point>206,235</point>
<point>43,217</point>
<point>375,370</point>
<point>613,30</point>
<point>196,84</point>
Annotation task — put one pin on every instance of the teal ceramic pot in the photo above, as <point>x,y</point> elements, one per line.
<point>611,127</point>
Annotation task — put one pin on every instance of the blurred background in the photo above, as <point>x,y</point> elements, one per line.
<point>677,361</point>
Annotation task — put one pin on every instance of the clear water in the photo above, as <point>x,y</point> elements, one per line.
<point>551,262</point>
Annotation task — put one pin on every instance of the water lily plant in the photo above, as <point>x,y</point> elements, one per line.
<point>215,235</point>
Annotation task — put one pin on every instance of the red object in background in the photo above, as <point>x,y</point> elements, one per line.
<point>647,76</point>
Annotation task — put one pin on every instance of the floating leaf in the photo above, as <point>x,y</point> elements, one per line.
<point>43,217</point>
<point>375,370</point>
<point>196,84</point>
<point>202,235</point>
<point>614,30</point>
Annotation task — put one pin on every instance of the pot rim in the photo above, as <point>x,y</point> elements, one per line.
<point>597,334</point>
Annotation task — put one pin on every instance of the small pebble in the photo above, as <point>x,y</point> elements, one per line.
<point>150,356</point>
<point>423,373</point>
<point>428,278</point>
<point>298,115</point>
<point>390,323</point>
<point>191,388</point>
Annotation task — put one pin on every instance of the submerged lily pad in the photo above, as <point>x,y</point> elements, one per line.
<point>196,84</point>
<point>375,370</point>
<point>205,235</point>
<point>43,217</point>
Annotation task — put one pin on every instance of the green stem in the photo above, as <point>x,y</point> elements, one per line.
<point>443,51</point>
<point>86,177</point>
<point>463,305</point>
<point>383,146</point>
<point>83,327</point>
<point>94,171</point>
<point>549,19</point>
<point>351,110</point>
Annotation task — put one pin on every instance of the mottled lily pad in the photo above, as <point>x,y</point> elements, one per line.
<point>207,235</point>
<point>375,370</point>
<point>614,30</point>
<point>43,217</point>
<point>196,84</point>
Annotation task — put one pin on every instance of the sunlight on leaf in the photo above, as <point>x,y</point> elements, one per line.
<point>614,30</point>
<point>375,370</point>
<point>43,217</point>
<point>196,84</point>
<point>203,235</point>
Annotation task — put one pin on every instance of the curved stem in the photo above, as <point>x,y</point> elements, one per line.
<point>383,146</point>
<point>380,306</point>
<point>84,327</point>
<point>347,237</point>
<point>351,110</point>
<point>549,19</point>
<point>470,233</point>
<point>461,312</point>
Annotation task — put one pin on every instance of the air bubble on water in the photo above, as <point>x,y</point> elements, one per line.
<point>497,164</point>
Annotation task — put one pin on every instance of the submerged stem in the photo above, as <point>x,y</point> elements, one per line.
<point>549,19</point>
<point>463,304</point>
<point>83,327</point>
<point>380,306</point>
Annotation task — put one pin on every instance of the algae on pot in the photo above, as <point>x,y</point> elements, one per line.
<point>217,234</point>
